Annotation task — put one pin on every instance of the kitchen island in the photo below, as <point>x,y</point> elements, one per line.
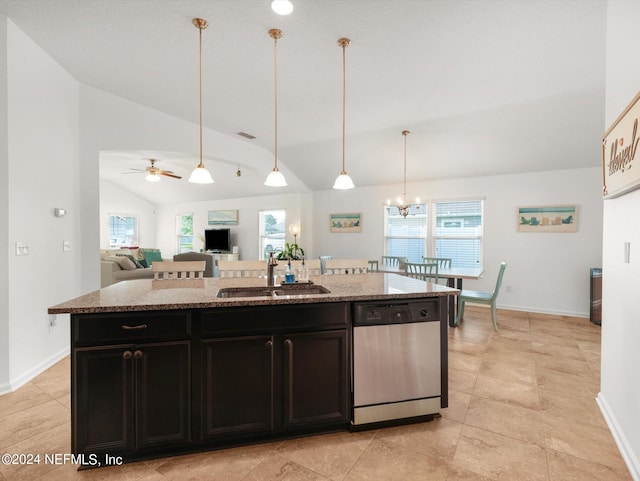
<point>160,369</point>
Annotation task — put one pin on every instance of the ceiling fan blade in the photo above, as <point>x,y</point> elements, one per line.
<point>167,174</point>
<point>139,172</point>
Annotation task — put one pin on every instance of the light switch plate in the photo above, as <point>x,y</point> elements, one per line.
<point>22,249</point>
<point>66,246</point>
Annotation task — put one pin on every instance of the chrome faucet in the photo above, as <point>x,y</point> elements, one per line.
<point>271,266</point>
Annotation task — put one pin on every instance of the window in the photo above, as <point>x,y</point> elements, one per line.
<point>184,231</point>
<point>406,236</point>
<point>458,232</point>
<point>272,223</point>
<point>123,231</point>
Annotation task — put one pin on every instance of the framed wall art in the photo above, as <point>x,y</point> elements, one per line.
<point>222,217</point>
<point>345,223</point>
<point>548,218</point>
<point>619,149</point>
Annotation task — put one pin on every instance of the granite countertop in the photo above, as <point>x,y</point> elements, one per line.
<point>150,295</point>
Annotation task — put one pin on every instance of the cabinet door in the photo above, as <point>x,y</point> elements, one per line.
<point>163,393</point>
<point>315,383</point>
<point>102,394</point>
<point>238,386</point>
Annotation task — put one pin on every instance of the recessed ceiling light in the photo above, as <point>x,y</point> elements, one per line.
<point>282,7</point>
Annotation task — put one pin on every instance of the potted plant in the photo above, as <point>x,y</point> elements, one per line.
<point>290,251</point>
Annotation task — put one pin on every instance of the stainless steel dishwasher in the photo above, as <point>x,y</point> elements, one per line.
<point>396,361</point>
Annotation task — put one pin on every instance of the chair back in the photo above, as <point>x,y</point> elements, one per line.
<point>323,263</point>
<point>347,266</point>
<point>424,271</point>
<point>373,265</point>
<point>503,266</point>
<point>242,268</point>
<point>178,270</point>
<point>443,262</point>
<point>397,261</point>
<point>312,265</point>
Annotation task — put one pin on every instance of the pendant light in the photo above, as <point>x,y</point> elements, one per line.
<point>401,202</point>
<point>200,174</point>
<point>343,181</point>
<point>282,7</point>
<point>275,178</point>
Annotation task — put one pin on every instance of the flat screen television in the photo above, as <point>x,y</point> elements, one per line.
<point>217,240</point>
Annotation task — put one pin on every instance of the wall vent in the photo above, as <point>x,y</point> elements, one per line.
<point>246,135</point>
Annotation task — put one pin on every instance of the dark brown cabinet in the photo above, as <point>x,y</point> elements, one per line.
<point>238,387</point>
<point>132,397</point>
<point>315,378</point>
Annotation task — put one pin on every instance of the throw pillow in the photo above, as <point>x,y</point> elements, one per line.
<point>143,263</point>
<point>152,257</point>
<point>135,261</point>
<point>125,263</point>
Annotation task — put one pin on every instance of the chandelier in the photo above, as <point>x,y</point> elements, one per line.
<point>401,202</point>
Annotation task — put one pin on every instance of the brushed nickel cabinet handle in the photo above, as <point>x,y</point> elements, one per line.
<point>126,355</point>
<point>137,354</point>
<point>128,328</point>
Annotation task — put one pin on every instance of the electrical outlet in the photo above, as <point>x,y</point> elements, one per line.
<point>53,321</point>
<point>66,246</point>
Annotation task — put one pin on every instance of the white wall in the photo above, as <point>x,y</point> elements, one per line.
<point>245,234</point>
<point>42,114</point>
<point>116,200</point>
<point>619,397</point>
<point>537,262</point>
<point>4,214</point>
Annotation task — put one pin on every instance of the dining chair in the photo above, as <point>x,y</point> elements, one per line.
<point>242,268</point>
<point>482,298</point>
<point>373,265</point>
<point>197,256</point>
<point>323,263</point>
<point>397,261</point>
<point>422,271</point>
<point>443,262</point>
<point>347,266</point>
<point>178,270</point>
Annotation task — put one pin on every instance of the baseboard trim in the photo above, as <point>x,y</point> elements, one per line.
<point>627,453</point>
<point>535,310</point>
<point>23,379</point>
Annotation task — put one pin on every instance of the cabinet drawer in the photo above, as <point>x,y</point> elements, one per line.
<point>91,329</point>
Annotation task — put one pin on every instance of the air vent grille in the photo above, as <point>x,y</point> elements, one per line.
<point>246,135</point>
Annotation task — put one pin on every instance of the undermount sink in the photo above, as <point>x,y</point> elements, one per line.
<point>286,290</point>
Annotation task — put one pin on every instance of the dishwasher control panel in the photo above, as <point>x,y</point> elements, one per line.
<point>380,313</point>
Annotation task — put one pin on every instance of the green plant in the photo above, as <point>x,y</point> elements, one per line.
<point>290,251</point>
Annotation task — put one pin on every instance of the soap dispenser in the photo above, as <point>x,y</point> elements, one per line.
<point>289,276</point>
<point>303,272</point>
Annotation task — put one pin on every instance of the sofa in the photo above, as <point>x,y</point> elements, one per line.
<point>126,264</point>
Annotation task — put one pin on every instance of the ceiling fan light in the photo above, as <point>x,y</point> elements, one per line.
<point>152,177</point>
<point>343,182</point>
<point>282,7</point>
<point>200,175</point>
<point>275,179</point>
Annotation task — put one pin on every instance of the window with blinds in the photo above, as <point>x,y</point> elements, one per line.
<point>458,231</point>
<point>123,231</point>
<point>184,232</point>
<point>406,236</point>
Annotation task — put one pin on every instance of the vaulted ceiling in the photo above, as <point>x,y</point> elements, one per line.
<point>485,86</point>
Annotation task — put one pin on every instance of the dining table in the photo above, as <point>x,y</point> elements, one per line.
<point>454,277</point>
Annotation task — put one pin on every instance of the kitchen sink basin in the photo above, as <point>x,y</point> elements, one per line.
<point>230,292</point>
<point>287,290</point>
<point>297,290</point>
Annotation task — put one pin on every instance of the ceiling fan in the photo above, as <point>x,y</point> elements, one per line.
<point>153,172</point>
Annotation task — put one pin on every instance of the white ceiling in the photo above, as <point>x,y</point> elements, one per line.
<point>485,86</point>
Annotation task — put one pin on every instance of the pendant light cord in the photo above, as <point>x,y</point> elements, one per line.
<point>344,94</point>
<point>275,88</point>
<point>200,29</point>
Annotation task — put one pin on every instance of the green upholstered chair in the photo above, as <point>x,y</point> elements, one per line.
<point>482,298</point>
